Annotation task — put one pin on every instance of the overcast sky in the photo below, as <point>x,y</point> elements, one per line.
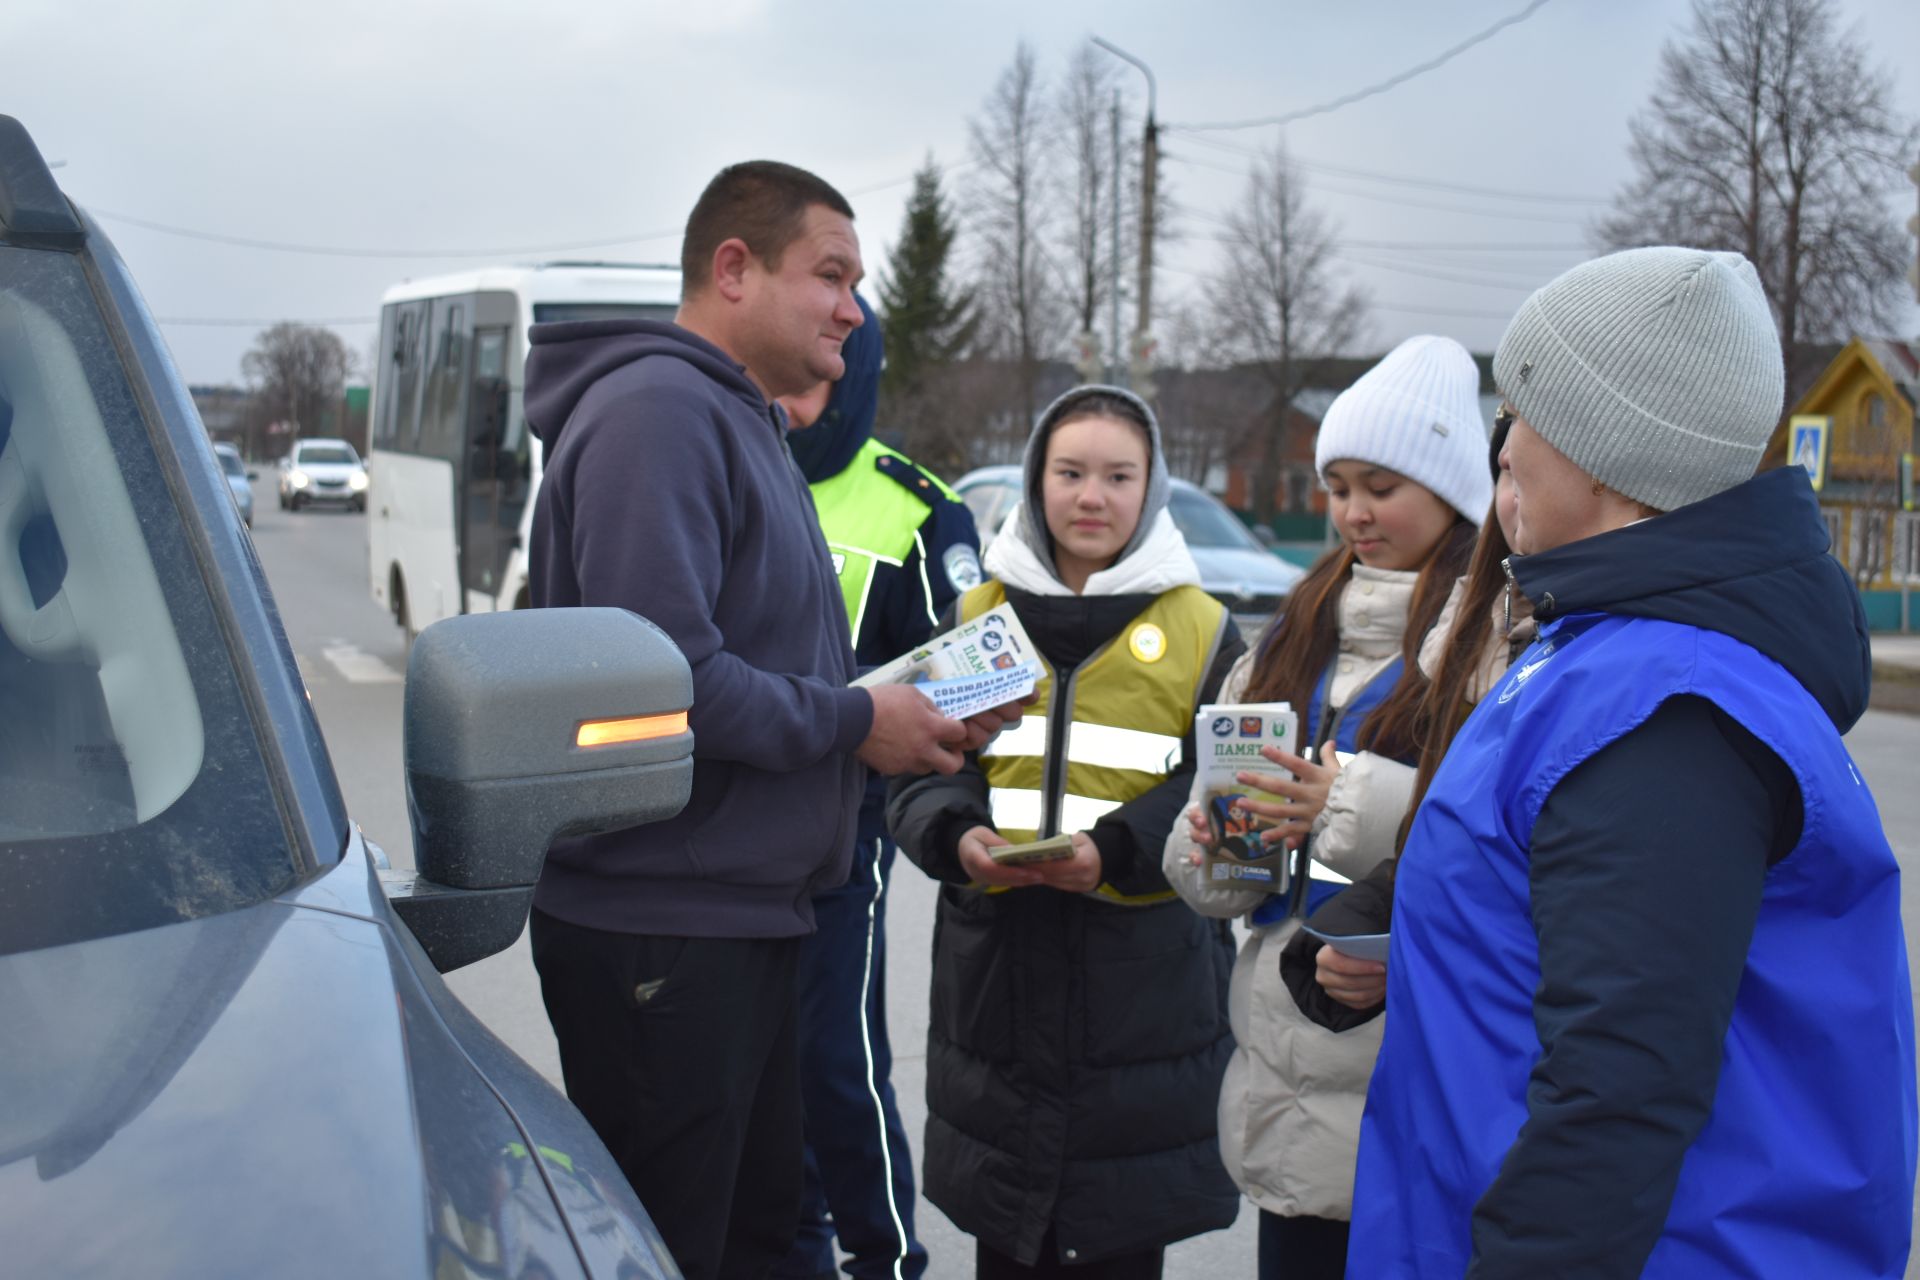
<point>393,125</point>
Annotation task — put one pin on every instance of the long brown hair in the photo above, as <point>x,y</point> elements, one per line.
<point>1305,637</point>
<point>1445,705</point>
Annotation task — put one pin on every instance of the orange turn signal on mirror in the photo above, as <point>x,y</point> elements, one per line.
<point>606,733</point>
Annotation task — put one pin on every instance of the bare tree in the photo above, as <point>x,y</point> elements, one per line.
<point>1769,134</point>
<point>1020,311</point>
<point>1085,109</point>
<point>297,373</point>
<point>1278,301</point>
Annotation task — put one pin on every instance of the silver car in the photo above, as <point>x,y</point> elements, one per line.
<point>1234,568</point>
<point>238,479</point>
<point>322,472</point>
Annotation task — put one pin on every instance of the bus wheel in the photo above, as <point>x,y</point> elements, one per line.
<point>401,614</point>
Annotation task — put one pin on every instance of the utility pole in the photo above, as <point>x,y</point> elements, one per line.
<point>1141,354</point>
<point>1119,365</point>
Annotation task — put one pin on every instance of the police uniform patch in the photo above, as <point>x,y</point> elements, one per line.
<point>1148,642</point>
<point>963,567</point>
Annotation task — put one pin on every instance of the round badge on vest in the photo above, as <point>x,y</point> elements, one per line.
<point>1148,642</point>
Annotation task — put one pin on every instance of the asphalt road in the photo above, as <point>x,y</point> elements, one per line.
<point>352,656</point>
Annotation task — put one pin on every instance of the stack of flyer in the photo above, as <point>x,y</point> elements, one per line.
<point>1227,739</point>
<point>985,663</point>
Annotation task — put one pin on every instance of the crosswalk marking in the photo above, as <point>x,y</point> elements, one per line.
<point>357,666</point>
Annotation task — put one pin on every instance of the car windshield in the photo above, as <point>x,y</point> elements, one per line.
<point>1205,523</point>
<point>326,454</point>
<point>230,463</point>
<point>132,788</point>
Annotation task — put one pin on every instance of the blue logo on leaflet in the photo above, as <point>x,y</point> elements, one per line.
<point>1223,726</point>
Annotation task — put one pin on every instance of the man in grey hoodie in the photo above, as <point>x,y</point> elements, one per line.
<point>667,953</point>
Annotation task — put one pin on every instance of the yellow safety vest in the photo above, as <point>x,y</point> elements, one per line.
<point>870,513</point>
<point>1122,716</point>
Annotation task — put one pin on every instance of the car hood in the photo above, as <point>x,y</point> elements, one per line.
<point>327,470</point>
<point>1230,572</point>
<point>272,1091</point>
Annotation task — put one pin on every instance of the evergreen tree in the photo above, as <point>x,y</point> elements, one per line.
<point>928,321</point>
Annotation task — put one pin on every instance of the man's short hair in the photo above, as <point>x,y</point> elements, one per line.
<point>761,202</point>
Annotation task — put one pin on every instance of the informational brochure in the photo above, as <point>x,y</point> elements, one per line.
<point>983,664</point>
<point>1361,946</point>
<point>1228,738</point>
<point>961,696</point>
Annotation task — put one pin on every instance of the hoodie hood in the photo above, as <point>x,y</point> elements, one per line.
<point>1031,523</point>
<point>827,448</point>
<point>567,358</point>
<point>1751,563</point>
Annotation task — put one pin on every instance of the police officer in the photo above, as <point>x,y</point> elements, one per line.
<point>904,547</point>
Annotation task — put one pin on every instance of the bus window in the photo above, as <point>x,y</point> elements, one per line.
<point>494,498</point>
<point>397,424</point>
<point>442,401</point>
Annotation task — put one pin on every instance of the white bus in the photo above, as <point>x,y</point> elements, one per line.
<point>451,468</point>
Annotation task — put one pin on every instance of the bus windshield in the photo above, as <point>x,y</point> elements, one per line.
<point>555,312</point>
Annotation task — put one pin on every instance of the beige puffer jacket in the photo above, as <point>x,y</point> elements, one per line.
<point>1291,1101</point>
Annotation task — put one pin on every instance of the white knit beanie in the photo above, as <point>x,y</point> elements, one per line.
<point>1417,413</point>
<point>1655,371</point>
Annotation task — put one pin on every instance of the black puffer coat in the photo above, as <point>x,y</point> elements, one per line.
<point>1076,1046</point>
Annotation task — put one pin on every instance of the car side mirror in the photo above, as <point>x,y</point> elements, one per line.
<point>522,727</point>
<point>252,474</point>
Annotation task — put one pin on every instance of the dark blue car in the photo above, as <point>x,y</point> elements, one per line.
<point>225,1046</point>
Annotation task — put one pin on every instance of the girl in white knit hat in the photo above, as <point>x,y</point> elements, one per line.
<point>1403,456</point>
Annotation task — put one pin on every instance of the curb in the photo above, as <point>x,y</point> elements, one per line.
<point>1895,688</point>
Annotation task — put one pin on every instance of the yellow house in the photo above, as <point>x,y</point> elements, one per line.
<point>1854,430</point>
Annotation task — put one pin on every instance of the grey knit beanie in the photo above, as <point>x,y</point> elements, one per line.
<point>1656,371</point>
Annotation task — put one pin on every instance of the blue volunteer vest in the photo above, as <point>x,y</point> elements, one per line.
<point>1806,1165</point>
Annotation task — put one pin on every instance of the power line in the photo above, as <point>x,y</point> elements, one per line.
<point>1372,90</point>
<point>1443,311</point>
<point>1402,180</point>
<point>1407,203</point>
<point>1445,276</point>
<point>340,251</point>
<point>205,321</point>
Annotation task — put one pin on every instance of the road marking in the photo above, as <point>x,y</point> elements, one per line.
<point>358,666</point>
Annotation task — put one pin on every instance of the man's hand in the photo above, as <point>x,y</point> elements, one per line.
<point>982,727</point>
<point>1358,984</point>
<point>982,869</point>
<point>1078,874</point>
<point>909,735</point>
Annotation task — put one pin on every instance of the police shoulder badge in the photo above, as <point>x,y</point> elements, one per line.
<point>963,567</point>
<point>1148,642</point>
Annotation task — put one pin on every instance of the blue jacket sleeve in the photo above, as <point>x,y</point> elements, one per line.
<point>1647,868</point>
<point>651,526</point>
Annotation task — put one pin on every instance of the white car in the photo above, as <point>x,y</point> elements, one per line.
<point>322,472</point>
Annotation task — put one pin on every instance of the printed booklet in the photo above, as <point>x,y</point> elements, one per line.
<point>1228,738</point>
<point>985,663</point>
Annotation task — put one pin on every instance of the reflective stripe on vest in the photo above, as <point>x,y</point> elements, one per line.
<point>1128,719</point>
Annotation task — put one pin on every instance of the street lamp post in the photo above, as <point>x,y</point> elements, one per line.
<point>1149,175</point>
